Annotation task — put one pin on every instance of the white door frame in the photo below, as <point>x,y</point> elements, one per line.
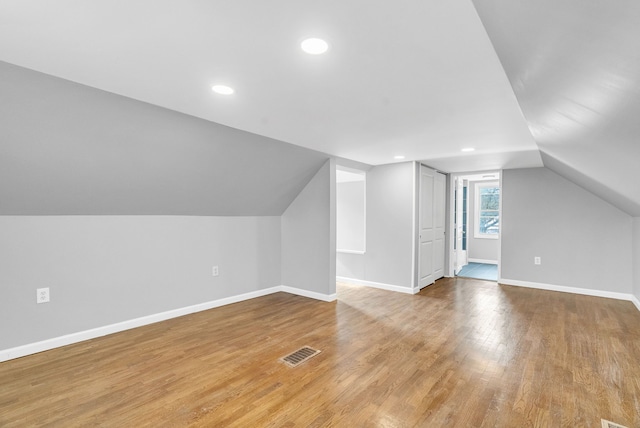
<point>439,224</point>
<point>460,255</point>
<point>450,269</point>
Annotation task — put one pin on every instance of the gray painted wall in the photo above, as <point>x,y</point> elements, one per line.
<point>122,208</point>
<point>71,149</point>
<point>350,265</point>
<point>309,236</point>
<point>636,257</point>
<point>388,259</point>
<point>478,248</point>
<point>583,241</point>
<point>350,216</point>
<point>107,269</point>
<point>616,196</point>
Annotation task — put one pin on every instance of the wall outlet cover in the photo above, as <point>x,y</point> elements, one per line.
<point>42,295</point>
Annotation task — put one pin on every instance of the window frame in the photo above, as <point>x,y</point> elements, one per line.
<point>476,210</point>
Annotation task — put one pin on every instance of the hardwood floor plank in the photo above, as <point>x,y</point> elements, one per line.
<point>461,353</point>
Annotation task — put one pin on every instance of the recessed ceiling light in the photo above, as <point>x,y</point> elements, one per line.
<point>468,149</point>
<point>222,89</point>
<point>314,46</point>
<point>398,157</point>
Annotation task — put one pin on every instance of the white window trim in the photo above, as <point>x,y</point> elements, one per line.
<point>476,210</point>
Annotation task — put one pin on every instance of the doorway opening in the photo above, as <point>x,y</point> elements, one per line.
<point>484,271</point>
<point>351,210</point>
<point>476,225</point>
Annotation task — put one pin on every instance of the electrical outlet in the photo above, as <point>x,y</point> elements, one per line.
<point>42,295</point>
<point>537,260</point>
<point>214,271</point>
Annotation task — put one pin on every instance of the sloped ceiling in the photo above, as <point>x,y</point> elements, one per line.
<point>574,66</point>
<point>68,149</point>
<point>412,78</point>
<point>523,82</point>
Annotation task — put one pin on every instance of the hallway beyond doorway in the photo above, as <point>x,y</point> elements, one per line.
<point>480,271</point>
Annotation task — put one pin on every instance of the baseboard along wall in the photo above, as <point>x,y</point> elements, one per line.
<point>574,290</point>
<point>528,284</point>
<point>56,342</point>
<point>380,285</point>
<point>68,339</point>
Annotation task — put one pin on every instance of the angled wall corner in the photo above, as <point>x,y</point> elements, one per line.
<point>122,208</point>
<point>584,242</point>
<point>614,196</point>
<point>69,149</point>
<point>308,239</point>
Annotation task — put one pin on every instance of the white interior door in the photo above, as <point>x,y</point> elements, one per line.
<point>427,233</point>
<point>439,199</point>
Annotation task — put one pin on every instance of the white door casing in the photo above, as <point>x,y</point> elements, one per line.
<point>439,199</point>
<point>460,254</point>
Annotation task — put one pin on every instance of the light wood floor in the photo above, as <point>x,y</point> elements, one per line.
<point>462,353</point>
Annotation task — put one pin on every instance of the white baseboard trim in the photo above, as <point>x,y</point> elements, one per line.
<point>635,301</point>
<point>310,294</point>
<point>574,290</point>
<point>379,285</point>
<point>486,262</point>
<point>68,339</point>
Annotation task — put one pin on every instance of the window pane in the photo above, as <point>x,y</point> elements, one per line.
<point>489,223</point>
<point>489,198</point>
<point>489,190</point>
<point>487,210</point>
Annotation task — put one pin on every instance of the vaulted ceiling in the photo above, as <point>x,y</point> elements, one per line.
<point>574,66</point>
<point>525,83</point>
<point>68,149</point>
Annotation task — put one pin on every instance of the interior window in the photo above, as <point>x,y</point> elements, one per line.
<point>487,210</point>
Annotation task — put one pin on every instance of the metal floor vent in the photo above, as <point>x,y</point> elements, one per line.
<point>609,424</point>
<point>300,356</point>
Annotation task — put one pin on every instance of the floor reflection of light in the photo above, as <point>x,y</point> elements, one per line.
<point>490,339</point>
<point>476,344</point>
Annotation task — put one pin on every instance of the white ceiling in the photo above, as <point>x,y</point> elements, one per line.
<point>413,78</point>
<point>523,82</point>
